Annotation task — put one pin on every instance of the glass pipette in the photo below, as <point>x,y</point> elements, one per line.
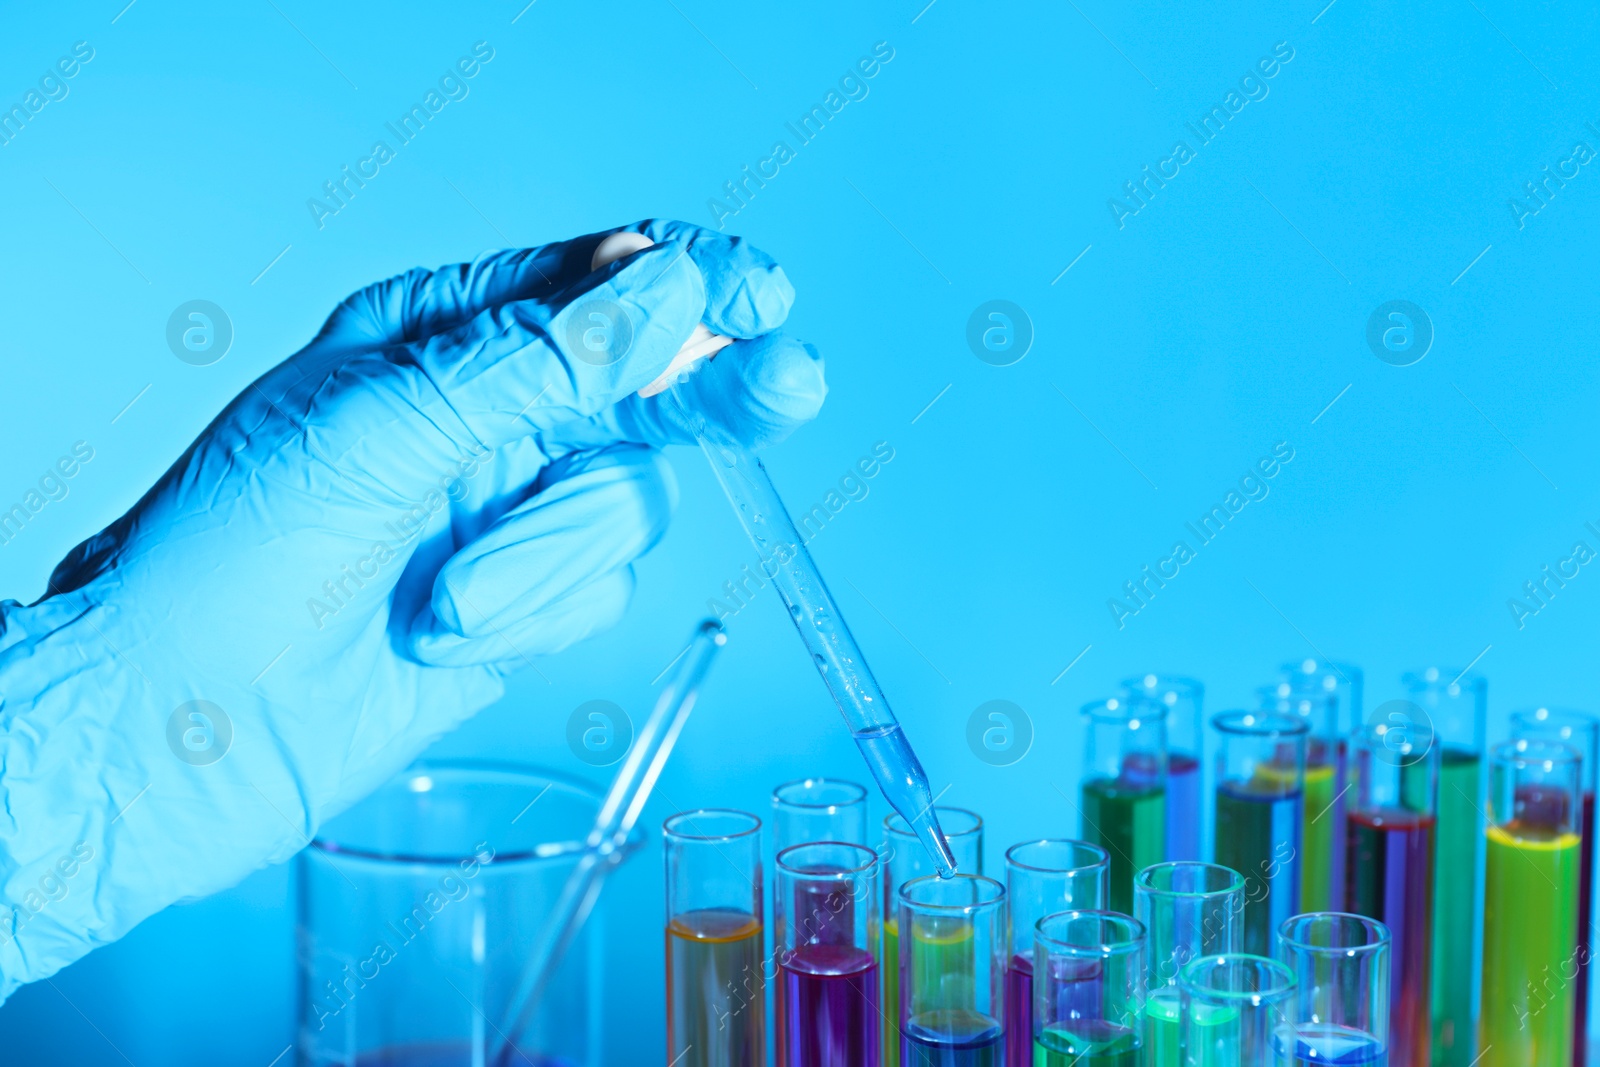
<point>790,568</point>
<point>608,842</point>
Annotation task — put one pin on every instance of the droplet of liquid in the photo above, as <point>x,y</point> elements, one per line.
<point>822,663</point>
<point>794,609</point>
<point>729,457</point>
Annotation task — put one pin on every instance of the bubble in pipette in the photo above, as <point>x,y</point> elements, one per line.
<point>730,458</point>
<point>822,663</point>
<point>821,621</point>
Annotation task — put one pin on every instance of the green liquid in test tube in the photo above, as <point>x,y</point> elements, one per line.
<point>1124,793</point>
<point>1188,910</point>
<point>1456,704</point>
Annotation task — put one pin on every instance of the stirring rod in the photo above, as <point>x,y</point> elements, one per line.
<point>606,844</point>
<point>790,568</point>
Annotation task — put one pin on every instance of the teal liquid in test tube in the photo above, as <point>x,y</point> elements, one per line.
<point>1239,1011</point>
<point>1189,910</point>
<point>1089,986</point>
<point>817,618</point>
<point>1456,705</point>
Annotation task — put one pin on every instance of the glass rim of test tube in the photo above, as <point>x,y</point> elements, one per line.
<point>1099,946</point>
<point>1259,724</point>
<point>1077,845</point>
<point>1524,753</point>
<point>1564,722</point>
<point>1310,667</point>
<point>1286,988</point>
<point>1129,709</point>
<point>894,823</point>
<point>752,822</point>
<point>1099,949</point>
<point>1142,880</point>
<point>854,793</point>
<point>1376,937</point>
<point>1178,685</point>
<point>1453,684</point>
<point>914,887</point>
<point>868,857</point>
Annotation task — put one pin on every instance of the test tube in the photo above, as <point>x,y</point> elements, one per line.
<point>1124,798</point>
<point>1260,802</point>
<point>1343,680</point>
<point>1043,877</point>
<point>1530,915</point>
<point>1341,963</point>
<point>1391,826</point>
<point>904,859</point>
<point>1455,703</point>
<point>1089,992</point>
<point>716,992</point>
<point>952,971</point>
<point>818,809</point>
<point>827,939</point>
<point>1188,910</point>
<point>1579,731</point>
<point>1322,826</point>
<point>1183,698</point>
<point>1239,1010</point>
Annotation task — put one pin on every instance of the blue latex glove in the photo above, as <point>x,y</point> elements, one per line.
<point>450,480</point>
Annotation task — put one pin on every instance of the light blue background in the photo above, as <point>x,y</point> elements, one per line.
<point>1224,318</point>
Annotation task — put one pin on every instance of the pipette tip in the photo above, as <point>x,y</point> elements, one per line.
<point>932,838</point>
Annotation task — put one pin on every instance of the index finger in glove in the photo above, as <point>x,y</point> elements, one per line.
<point>747,291</point>
<point>532,364</point>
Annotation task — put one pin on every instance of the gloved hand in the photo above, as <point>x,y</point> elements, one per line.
<point>449,481</point>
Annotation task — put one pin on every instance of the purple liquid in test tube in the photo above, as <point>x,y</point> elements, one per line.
<point>827,915</point>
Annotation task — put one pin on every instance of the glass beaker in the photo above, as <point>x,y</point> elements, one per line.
<point>418,908</point>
